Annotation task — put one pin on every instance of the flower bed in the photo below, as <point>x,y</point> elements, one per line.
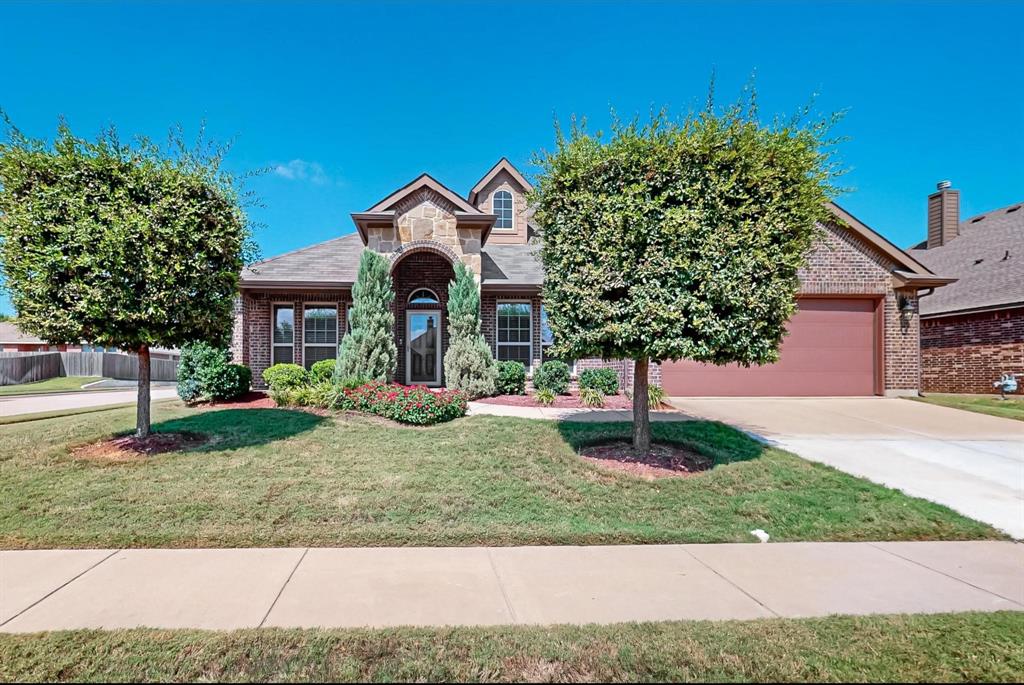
<point>415,405</point>
<point>571,401</point>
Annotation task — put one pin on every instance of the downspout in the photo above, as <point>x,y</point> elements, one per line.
<point>920,368</point>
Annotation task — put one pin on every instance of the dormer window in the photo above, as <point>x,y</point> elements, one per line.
<point>502,202</point>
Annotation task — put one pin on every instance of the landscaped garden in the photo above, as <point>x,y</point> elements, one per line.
<point>282,477</point>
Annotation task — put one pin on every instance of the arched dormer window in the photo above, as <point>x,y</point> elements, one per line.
<point>502,206</point>
<point>423,296</point>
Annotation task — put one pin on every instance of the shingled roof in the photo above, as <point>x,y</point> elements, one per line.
<point>334,263</point>
<point>987,258</point>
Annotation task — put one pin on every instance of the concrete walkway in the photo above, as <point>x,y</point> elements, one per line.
<point>353,587</point>
<point>33,404</point>
<point>970,462</point>
<point>566,414</point>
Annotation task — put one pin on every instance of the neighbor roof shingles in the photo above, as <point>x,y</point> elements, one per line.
<point>978,258</point>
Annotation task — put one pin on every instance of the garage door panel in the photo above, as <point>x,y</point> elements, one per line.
<point>830,350</point>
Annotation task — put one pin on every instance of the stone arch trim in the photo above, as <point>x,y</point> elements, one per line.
<point>415,246</point>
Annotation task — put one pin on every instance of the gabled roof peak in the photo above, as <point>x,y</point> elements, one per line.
<point>502,165</point>
<point>424,180</point>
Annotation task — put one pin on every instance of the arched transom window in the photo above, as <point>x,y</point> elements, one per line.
<point>423,296</point>
<point>503,208</point>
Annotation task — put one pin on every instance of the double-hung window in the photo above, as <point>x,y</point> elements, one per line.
<point>502,202</point>
<point>319,333</point>
<point>284,334</point>
<point>515,324</point>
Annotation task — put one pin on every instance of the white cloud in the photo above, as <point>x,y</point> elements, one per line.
<point>301,170</point>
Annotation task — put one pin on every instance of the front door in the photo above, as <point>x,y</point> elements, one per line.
<point>423,348</point>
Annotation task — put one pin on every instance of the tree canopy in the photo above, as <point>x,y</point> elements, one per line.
<point>369,352</point>
<point>127,245</point>
<point>680,239</point>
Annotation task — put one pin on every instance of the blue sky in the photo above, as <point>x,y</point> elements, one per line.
<point>349,101</point>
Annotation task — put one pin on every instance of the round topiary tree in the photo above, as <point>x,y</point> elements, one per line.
<point>679,239</point>
<point>122,245</point>
<point>468,363</point>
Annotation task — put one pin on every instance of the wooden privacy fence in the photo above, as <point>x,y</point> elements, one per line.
<point>25,367</point>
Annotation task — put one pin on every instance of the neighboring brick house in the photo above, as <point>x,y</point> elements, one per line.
<point>856,332</point>
<point>972,331</point>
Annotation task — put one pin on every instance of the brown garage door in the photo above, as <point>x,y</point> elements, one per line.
<point>830,350</point>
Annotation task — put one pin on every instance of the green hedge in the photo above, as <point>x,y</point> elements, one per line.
<point>605,380</point>
<point>511,378</point>
<point>552,375</point>
<point>206,373</point>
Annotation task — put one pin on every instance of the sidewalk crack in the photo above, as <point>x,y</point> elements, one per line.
<point>501,586</point>
<point>728,580</point>
<point>60,587</point>
<point>943,573</point>
<point>283,586</point>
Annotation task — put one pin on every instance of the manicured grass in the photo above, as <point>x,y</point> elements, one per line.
<point>936,648</point>
<point>58,384</point>
<point>275,477</point>
<point>1010,408</point>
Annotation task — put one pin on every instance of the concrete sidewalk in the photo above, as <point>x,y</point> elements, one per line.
<point>33,404</point>
<point>353,587</point>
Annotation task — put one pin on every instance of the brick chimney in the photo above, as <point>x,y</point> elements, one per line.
<point>943,215</point>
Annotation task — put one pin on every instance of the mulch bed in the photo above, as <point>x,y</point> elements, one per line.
<point>131,448</point>
<point>571,401</point>
<point>662,461</point>
<point>250,400</point>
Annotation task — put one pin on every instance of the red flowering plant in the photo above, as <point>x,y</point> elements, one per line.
<point>415,405</point>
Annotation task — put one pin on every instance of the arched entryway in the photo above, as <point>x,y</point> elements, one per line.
<point>421,281</point>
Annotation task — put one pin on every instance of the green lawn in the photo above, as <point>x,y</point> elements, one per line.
<point>275,477</point>
<point>58,384</point>
<point>1011,408</point>
<point>936,648</point>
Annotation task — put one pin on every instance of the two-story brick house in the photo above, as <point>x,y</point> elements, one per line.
<point>856,332</point>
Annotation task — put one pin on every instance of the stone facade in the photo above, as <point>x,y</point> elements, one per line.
<point>427,219</point>
<point>520,210</point>
<point>966,353</point>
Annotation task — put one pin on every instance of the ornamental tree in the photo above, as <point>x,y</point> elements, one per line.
<point>679,239</point>
<point>122,245</point>
<point>468,363</point>
<point>368,353</point>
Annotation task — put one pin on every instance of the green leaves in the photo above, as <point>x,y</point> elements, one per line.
<point>678,240</point>
<point>369,351</point>
<point>121,245</point>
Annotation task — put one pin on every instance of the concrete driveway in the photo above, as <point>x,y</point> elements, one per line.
<point>972,463</point>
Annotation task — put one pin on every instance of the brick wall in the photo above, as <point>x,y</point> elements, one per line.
<point>251,337</point>
<point>420,270</point>
<point>489,320</point>
<point>967,353</point>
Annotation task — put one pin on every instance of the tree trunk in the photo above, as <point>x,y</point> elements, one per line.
<point>641,410</point>
<point>142,405</point>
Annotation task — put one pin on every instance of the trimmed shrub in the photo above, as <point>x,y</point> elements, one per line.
<point>511,378</point>
<point>369,351</point>
<point>414,405</point>
<point>591,397</point>
<point>286,377</point>
<point>552,375</point>
<point>605,380</point>
<point>322,371</point>
<point>206,373</point>
<point>545,396</point>
<point>468,364</point>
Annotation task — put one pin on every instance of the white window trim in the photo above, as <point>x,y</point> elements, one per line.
<point>497,307</point>
<point>337,322</point>
<point>435,303</point>
<point>408,348</point>
<point>273,328</point>
<point>512,197</point>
